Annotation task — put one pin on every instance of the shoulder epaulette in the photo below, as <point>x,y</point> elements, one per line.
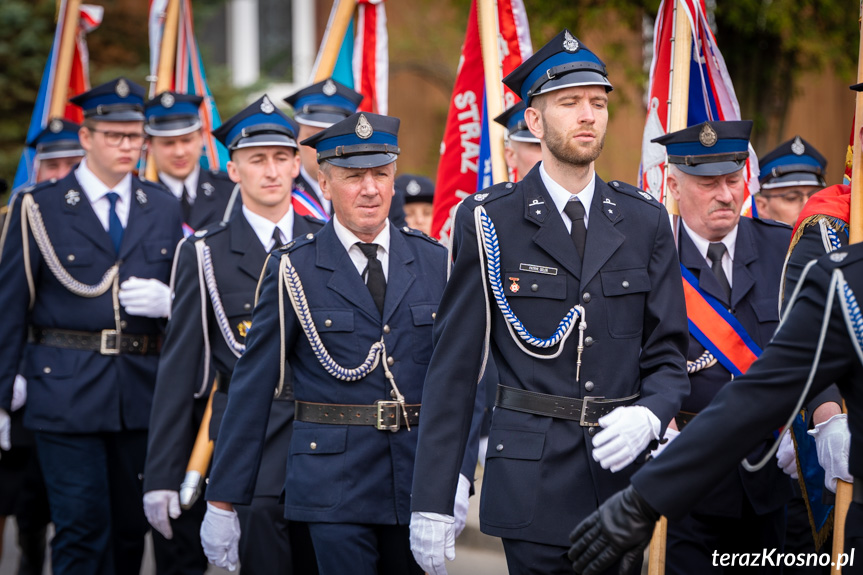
<point>842,257</point>
<point>36,188</point>
<point>313,219</point>
<point>156,187</point>
<point>296,243</point>
<point>631,190</point>
<point>408,231</point>
<point>220,174</point>
<point>490,194</point>
<point>773,223</point>
<point>210,230</point>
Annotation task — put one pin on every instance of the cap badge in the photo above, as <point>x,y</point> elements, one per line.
<point>267,106</point>
<point>122,88</point>
<point>708,137</point>
<point>570,44</point>
<point>364,129</point>
<point>141,196</point>
<point>73,197</point>
<point>797,146</point>
<point>837,257</point>
<point>413,188</point>
<point>167,100</point>
<point>56,126</point>
<point>329,88</point>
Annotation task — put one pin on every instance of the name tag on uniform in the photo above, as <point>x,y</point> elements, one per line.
<point>538,269</point>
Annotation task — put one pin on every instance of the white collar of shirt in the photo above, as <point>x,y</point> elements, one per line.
<point>95,190</point>
<point>176,186</point>
<point>349,241</point>
<point>264,228</point>
<point>560,196</point>
<point>701,244</point>
<point>316,189</point>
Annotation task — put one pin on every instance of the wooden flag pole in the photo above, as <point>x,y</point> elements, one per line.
<point>199,460</point>
<point>167,59</point>
<point>333,39</point>
<point>63,66</point>
<point>679,97</point>
<point>488,34</point>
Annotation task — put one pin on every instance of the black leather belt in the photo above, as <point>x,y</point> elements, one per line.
<point>585,410</point>
<point>223,382</point>
<point>683,418</point>
<point>857,491</point>
<point>105,342</point>
<point>384,415</point>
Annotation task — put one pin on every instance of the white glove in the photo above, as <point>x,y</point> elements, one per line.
<point>786,458</point>
<point>833,445</point>
<point>628,431</point>
<point>5,431</point>
<point>432,539</point>
<point>462,501</point>
<point>158,506</point>
<point>220,537</point>
<point>19,393</point>
<point>147,298</point>
<point>670,434</point>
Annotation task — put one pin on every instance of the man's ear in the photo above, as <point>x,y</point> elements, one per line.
<point>233,172</point>
<point>533,119</point>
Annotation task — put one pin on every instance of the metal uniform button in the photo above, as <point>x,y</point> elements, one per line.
<point>534,287</point>
<point>588,341</point>
<point>164,251</point>
<point>625,284</point>
<point>386,329</point>
<point>328,323</point>
<point>247,306</point>
<point>499,447</point>
<point>123,323</point>
<point>434,315</point>
<point>313,445</point>
<point>588,386</point>
<point>586,297</point>
<point>390,361</point>
<point>46,370</point>
<point>309,236</point>
<point>71,257</point>
<point>591,431</point>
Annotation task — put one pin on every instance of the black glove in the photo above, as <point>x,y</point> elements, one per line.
<point>619,529</point>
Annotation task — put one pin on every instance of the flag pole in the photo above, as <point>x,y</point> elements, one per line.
<point>679,97</point>
<point>333,38</point>
<point>488,33</point>
<point>65,55</point>
<point>199,460</point>
<point>167,60</point>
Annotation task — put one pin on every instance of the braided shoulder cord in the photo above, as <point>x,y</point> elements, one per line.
<point>486,229</point>
<point>830,236</point>
<point>301,307</point>
<point>218,309</point>
<point>205,330</point>
<point>851,312</point>
<point>703,362</point>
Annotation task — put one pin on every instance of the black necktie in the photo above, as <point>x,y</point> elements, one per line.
<point>115,226</point>
<point>186,203</point>
<point>715,251</point>
<point>374,275</point>
<point>277,238</point>
<point>575,210</point>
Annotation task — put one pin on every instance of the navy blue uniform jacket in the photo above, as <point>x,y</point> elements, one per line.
<point>211,198</point>
<point>753,405</point>
<point>342,474</point>
<point>758,260</point>
<point>73,391</point>
<point>540,476</point>
<point>238,258</point>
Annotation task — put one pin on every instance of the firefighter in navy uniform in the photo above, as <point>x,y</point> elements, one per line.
<point>222,263</point>
<point>84,269</point>
<point>176,144</point>
<point>818,341</point>
<point>317,107</point>
<point>576,408</point>
<point>790,174</point>
<point>521,148</point>
<point>350,310</point>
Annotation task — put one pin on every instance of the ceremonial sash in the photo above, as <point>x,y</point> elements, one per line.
<point>716,329</point>
<point>307,205</point>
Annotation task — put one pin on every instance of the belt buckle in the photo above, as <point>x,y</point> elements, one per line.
<point>584,401</point>
<point>104,348</point>
<point>379,424</point>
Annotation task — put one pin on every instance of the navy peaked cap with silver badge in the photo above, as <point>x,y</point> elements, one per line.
<point>119,100</point>
<point>794,163</point>
<point>415,188</point>
<point>561,63</point>
<point>516,128</point>
<point>172,114</point>
<point>362,140</point>
<point>324,103</point>
<point>709,148</point>
<point>260,124</point>
<point>59,139</point>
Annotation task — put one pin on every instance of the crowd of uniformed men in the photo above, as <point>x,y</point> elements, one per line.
<point>356,370</point>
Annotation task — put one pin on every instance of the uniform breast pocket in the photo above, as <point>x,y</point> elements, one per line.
<point>336,329</point>
<point>158,251</point>
<point>238,308</point>
<point>625,292</point>
<point>49,372</point>
<point>423,319</point>
<point>513,466</point>
<point>316,471</point>
<point>74,256</point>
<point>518,283</point>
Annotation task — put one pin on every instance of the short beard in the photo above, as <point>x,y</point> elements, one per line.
<point>564,151</point>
